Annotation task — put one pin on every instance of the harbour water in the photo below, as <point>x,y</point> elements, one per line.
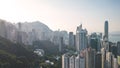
<point>114,38</point>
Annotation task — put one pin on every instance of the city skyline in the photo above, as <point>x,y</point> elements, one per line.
<point>99,53</point>
<point>64,14</point>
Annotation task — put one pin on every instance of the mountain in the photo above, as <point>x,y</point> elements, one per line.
<point>47,46</point>
<point>28,26</point>
<point>42,31</point>
<point>28,32</point>
<point>15,55</point>
<point>8,30</point>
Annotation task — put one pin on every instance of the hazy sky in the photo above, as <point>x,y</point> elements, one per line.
<point>64,14</point>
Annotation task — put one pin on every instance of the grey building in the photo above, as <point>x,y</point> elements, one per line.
<point>98,60</point>
<point>71,40</point>
<point>81,38</point>
<point>118,48</point>
<point>106,30</point>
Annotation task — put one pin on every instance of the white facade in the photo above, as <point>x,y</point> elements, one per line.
<point>115,64</point>
<point>77,61</point>
<point>65,61</point>
<point>103,57</point>
<point>108,60</point>
<point>82,62</point>
<point>72,62</point>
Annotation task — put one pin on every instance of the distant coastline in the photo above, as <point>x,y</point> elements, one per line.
<point>114,37</point>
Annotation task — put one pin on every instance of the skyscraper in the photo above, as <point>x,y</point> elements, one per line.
<point>94,41</point>
<point>106,31</point>
<point>77,61</point>
<point>108,62</point>
<point>81,38</point>
<point>65,61</point>
<point>61,45</point>
<point>105,38</point>
<point>90,58</point>
<point>103,57</point>
<point>71,39</point>
<point>114,62</point>
<point>118,48</point>
<point>98,60</point>
<point>118,53</point>
<point>82,60</point>
<point>72,62</point>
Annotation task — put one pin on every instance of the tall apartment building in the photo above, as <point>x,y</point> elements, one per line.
<point>81,38</point>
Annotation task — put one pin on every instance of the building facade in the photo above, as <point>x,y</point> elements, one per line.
<point>81,38</point>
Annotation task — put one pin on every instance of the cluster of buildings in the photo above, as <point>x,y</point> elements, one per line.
<point>87,51</point>
<point>15,34</point>
<point>91,51</point>
<point>29,32</point>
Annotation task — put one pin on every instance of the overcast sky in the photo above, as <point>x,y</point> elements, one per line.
<point>64,14</point>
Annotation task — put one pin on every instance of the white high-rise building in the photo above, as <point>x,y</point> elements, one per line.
<point>77,61</point>
<point>103,57</point>
<point>81,38</point>
<point>108,60</point>
<point>65,61</point>
<point>72,62</point>
<point>114,63</point>
<point>90,58</point>
<point>82,60</point>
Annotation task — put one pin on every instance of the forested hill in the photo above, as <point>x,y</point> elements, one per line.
<point>15,55</point>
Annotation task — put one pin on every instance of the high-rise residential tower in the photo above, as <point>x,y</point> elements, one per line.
<point>94,41</point>
<point>81,38</point>
<point>98,60</point>
<point>61,45</point>
<point>71,40</point>
<point>118,48</point>
<point>65,61</point>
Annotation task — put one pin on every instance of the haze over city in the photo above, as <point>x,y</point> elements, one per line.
<point>64,14</point>
<point>59,34</point>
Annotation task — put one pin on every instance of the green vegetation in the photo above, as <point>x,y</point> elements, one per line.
<point>47,46</point>
<point>16,55</point>
<point>51,51</point>
<point>57,63</point>
<point>70,48</point>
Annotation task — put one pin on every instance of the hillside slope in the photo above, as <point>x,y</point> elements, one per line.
<point>15,55</point>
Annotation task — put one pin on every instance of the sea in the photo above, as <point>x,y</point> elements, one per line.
<point>114,38</point>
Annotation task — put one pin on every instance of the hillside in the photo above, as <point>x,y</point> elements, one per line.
<point>15,55</point>
<point>42,31</point>
<point>47,46</point>
<point>28,26</point>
